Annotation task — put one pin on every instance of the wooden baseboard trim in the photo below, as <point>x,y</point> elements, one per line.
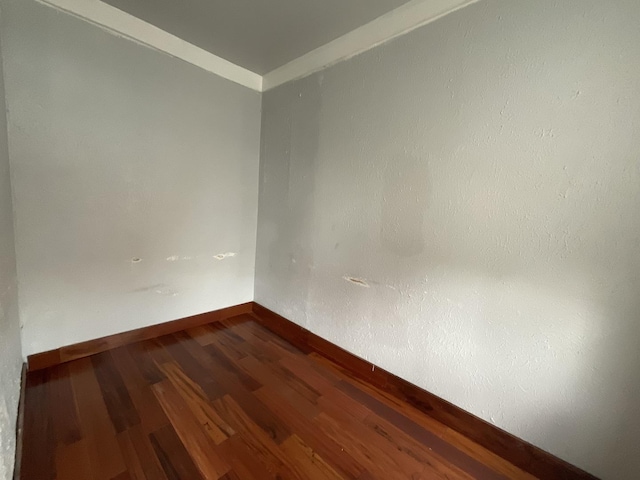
<point>60,355</point>
<point>513,449</point>
<point>20,424</point>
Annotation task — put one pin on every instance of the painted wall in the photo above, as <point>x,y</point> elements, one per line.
<point>461,207</point>
<point>10,354</point>
<point>120,153</point>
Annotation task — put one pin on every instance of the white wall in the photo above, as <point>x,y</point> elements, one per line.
<point>121,152</point>
<point>481,176</point>
<point>10,355</point>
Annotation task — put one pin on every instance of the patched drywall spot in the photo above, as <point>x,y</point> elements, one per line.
<point>149,288</point>
<point>405,197</point>
<point>356,281</point>
<point>177,258</point>
<point>159,288</point>
<point>222,256</point>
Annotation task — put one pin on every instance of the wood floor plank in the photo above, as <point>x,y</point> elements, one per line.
<point>269,377</point>
<point>452,437</point>
<point>254,345</point>
<point>397,447</point>
<point>121,410</point>
<point>377,462</point>
<point>211,423</point>
<point>244,461</point>
<point>307,462</point>
<point>102,447</point>
<point>63,405</point>
<point>197,443</point>
<point>144,451</point>
<point>231,475</point>
<point>123,476</point>
<point>72,461</point>
<point>38,430</point>
<point>203,335</point>
<point>331,451</point>
<point>147,355</point>
<point>152,417</point>
<point>173,456</point>
<point>128,368</point>
<point>320,382</point>
<point>205,378</point>
<point>221,359</point>
<point>230,384</point>
<point>230,345</point>
<point>433,464</point>
<point>131,458</point>
<point>259,443</point>
<point>425,437</point>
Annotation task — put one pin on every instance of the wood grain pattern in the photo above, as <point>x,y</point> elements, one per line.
<point>50,358</point>
<point>231,400</point>
<point>506,446</point>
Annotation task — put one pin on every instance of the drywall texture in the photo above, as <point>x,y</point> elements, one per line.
<point>135,179</point>
<point>10,355</point>
<point>460,207</point>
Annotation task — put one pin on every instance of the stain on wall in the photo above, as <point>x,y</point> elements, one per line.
<point>480,174</point>
<point>10,351</point>
<point>130,169</point>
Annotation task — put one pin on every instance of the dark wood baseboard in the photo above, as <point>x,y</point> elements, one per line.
<point>520,453</point>
<point>90,347</point>
<point>20,423</point>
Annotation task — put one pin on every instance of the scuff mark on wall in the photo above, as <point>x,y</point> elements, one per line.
<point>356,281</point>
<point>186,258</point>
<point>222,256</point>
<point>149,288</point>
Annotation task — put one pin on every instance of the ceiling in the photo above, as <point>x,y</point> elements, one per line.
<point>259,35</point>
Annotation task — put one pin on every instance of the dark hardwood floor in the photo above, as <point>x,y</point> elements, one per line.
<point>231,400</point>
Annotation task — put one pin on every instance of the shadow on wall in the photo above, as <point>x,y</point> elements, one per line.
<point>293,135</point>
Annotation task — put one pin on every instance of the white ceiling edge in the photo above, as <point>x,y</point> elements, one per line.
<point>395,23</point>
<point>125,25</point>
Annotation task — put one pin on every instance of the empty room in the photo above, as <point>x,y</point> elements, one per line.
<point>337,239</point>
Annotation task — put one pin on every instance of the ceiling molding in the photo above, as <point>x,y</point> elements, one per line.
<point>403,19</point>
<point>395,23</point>
<point>125,25</point>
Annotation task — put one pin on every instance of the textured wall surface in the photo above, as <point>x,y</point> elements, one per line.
<point>10,356</point>
<point>135,178</point>
<point>461,207</point>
